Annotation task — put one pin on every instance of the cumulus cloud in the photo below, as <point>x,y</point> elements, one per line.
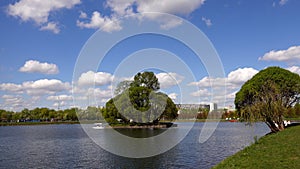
<point>121,8</point>
<point>236,78</point>
<point>173,96</point>
<point>99,93</point>
<point>39,11</point>
<point>45,86</point>
<point>167,80</point>
<point>12,102</point>
<point>97,21</point>
<point>176,7</point>
<point>39,87</point>
<point>207,21</point>
<point>33,66</point>
<point>97,78</point>
<point>201,93</point>
<point>11,87</point>
<point>214,87</point>
<point>294,69</point>
<point>92,97</point>
<point>129,7</point>
<point>62,97</point>
<point>241,75</point>
<point>51,26</point>
<point>292,54</point>
<point>209,81</point>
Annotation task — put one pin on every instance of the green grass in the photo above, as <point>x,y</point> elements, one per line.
<point>280,150</point>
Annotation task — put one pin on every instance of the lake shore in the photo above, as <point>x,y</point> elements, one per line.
<point>278,150</point>
<point>36,123</point>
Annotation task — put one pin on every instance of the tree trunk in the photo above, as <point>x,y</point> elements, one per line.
<point>274,126</point>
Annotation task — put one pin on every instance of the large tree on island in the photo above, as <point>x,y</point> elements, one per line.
<point>267,96</point>
<point>140,102</point>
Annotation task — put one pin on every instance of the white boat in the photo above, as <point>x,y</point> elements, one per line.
<point>98,126</point>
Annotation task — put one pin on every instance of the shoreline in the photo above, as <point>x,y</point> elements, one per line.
<point>279,146</point>
<point>36,123</point>
<point>117,126</point>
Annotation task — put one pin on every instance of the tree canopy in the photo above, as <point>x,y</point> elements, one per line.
<point>140,102</point>
<point>146,79</point>
<point>268,95</point>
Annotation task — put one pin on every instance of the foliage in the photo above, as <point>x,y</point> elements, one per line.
<point>140,102</point>
<point>122,86</point>
<point>192,113</point>
<point>47,115</point>
<point>267,96</point>
<point>146,79</point>
<point>278,150</point>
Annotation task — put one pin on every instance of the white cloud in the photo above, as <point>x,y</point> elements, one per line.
<point>283,2</point>
<point>294,69</point>
<point>45,86</point>
<point>12,102</point>
<point>33,66</point>
<point>213,88</point>
<point>60,98</point>
<point>129,7</point>
<point>83,15</point>
<point>207,21</point>
<point>104,23</point>
<point>11,87</point>
<point>99,93</point>
<point>39,11</point>
<point>98,78</point>
<point>121,8</point>
<point>36,88</point>
<point>241,75</point>
<point>234,79</point>
<point>176,7</point>
<point>201,93</point>
<point>292,54</point>
<point>50,26</point>
<point>173,96</point>
<point>167,80</point>
<point>209,82</point>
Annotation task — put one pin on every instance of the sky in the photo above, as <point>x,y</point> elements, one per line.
<point>51,51</point>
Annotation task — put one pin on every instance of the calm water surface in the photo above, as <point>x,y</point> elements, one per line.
<point>68,146</point>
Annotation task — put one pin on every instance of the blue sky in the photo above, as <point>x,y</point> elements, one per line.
<point>41,41</point>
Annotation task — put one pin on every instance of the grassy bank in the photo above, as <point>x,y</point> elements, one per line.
<point>280,150</point>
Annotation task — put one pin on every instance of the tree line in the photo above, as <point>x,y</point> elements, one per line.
<point>51,115</point>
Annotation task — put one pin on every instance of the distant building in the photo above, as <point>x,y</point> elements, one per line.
<point>213,106</point>
<point>210,106</point>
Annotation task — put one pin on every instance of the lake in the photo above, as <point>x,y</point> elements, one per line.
<point>68,146</point>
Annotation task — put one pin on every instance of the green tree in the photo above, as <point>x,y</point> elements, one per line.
<point>140,102</point>
<point>122,86</point>
<point>146,79</point>
<point>297,110</point>
<point>267,96</point>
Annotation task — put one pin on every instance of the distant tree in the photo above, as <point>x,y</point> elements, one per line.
<point>140,102</point>
<point>146,79</point>
<point>267,96</point>
<point>122,86</point>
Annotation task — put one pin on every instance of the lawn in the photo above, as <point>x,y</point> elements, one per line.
<point>280,150</point>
